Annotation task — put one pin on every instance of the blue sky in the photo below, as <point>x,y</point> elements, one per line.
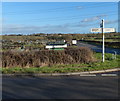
<point>57,17</point>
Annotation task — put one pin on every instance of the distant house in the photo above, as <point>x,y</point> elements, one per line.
<point>74,41</point>
<point>59,45</point>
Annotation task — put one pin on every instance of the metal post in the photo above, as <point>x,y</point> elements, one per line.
<point>115,54</point>
<point>103,47</point>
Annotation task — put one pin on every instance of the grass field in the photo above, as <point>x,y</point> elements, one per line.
<point>106,40</point>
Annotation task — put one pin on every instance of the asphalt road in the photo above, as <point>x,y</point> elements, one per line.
<point>60,87</point>
<point>98,48</point>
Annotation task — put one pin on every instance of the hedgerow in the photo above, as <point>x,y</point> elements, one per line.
<point>42,58</point>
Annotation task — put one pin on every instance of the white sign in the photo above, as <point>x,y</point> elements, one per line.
<point>96,30</point>
<point>109,29</point>
<point>105,30</point>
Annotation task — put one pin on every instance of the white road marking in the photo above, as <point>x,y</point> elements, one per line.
<point>109,74</point>
<point>87,74</point>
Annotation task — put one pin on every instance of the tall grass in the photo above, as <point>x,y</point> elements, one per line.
<point>46,57</point>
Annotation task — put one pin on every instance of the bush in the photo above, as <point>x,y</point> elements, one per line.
<point>46,57</point>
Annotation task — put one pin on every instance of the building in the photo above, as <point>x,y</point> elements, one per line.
<point>74,42</point>
<point>59,45</point>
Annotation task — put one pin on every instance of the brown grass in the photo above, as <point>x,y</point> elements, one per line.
<point>46,57</point>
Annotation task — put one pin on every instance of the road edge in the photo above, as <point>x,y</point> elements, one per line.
<point>64,74</point>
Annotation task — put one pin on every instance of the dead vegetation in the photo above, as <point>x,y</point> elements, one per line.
<point>46,57</point>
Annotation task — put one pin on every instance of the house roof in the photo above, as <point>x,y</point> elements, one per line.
<point>56,43</point>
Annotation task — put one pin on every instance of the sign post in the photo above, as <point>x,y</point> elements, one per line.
<point>103,46</point>
<point>102,29</point>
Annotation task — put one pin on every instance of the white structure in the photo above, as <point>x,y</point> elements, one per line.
<point>105,30</point>
<point>74,42</point>
<point>102,29</point>
<point>56,46</point>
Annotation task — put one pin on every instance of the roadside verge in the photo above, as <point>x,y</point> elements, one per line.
<point>63,74</point>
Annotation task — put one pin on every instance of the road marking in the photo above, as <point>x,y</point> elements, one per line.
<point>111,70</point>
<point>109,74</point>
<point>100,71</point>
<point>87,74</point>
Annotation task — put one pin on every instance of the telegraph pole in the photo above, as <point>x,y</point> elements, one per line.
<point>103,37</point>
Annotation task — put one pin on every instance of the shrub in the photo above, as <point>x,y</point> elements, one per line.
<point>46,57</point>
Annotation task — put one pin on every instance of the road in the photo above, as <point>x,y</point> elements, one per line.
<point>98,48</point>
<point>60,87</point>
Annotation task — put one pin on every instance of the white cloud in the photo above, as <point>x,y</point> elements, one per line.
<point>35,29</point>
<point>79,7</point>
<point>111,21</point>
<point>95,18</point>
<point>60,0</point>
<point>67,27</point>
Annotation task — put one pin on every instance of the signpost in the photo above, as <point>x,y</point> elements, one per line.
<point>103,47</point>
<point>105,30</point>
<point>102,29</point>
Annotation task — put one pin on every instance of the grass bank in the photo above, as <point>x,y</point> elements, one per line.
<point>109,63</point>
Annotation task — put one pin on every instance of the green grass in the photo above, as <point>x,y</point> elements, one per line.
<point>110,42</point>
<point>65,68</point>
<point>106,40</point>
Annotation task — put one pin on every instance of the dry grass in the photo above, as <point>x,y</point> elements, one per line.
<point>46,57</point>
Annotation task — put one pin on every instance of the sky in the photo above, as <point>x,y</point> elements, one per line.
<point>57,17</point>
